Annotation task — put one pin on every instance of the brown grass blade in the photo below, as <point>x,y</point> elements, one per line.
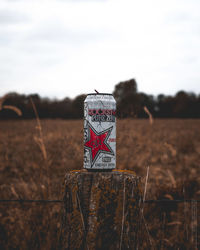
<point>146,181</point>
<point>39,140</point>
<point>174,223</point>
<point>15,109</point>
<point>149,114</point>
<point>171,177</point>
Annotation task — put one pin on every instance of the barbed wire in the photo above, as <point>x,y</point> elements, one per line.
<point>169,201</point>
<point>31,201</point>
<point>61,201</point>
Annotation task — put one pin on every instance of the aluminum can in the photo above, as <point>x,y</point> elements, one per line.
<point>99,131</point>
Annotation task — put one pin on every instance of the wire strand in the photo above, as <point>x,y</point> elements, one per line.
<point>61,201</point>
<point>32,201</point>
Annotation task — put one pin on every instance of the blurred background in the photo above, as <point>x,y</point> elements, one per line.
<point>130,103</point>
<point>53,53</point>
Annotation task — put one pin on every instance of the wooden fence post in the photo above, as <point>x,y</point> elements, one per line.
<point>101,210</point>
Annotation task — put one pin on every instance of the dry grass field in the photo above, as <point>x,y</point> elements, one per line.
<point>33,167</point>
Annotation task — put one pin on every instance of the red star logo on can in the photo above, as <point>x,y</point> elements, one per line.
<point>97,143</point>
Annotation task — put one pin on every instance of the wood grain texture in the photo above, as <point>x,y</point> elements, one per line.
<point>101,210</point>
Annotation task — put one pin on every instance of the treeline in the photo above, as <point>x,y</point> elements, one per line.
<point>130,103</point>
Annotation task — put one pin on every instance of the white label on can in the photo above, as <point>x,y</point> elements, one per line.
<point>100,132</point>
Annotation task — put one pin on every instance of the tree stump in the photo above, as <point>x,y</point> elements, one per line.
<point>101,210</point>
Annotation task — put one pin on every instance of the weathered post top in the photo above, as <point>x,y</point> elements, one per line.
<point>101,210</point>
<point>99,131</point>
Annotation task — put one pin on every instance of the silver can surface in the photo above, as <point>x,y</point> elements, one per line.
<point>99,131</point>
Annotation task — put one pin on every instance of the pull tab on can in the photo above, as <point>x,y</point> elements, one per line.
<point>99,131</point>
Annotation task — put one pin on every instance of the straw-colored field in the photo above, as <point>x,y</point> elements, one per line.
<point>33,167</point>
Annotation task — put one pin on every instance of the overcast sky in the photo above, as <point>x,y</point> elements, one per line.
<point>60,48</point>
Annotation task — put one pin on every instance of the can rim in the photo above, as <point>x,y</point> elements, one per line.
<point>100,94</point>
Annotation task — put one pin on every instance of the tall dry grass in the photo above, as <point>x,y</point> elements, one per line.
<point>171,149</point>
<point>39,139</point>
